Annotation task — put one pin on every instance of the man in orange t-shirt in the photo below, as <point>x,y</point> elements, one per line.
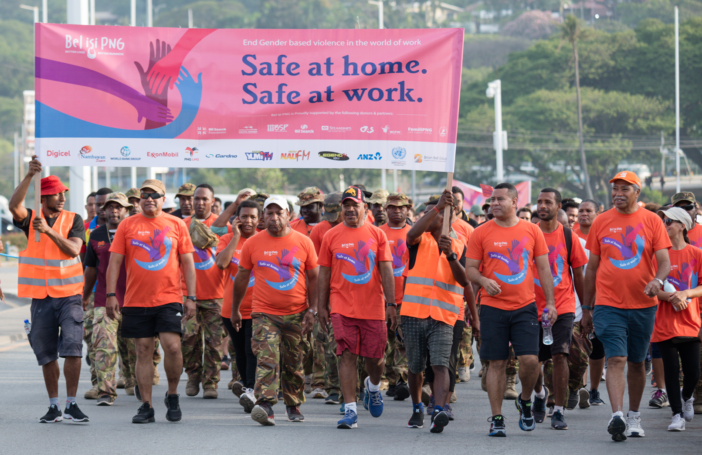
<point>153,243</point>
<point>230,245</point>
<point>285,266</point>
<point>499,260</point>
<point>356,280</point>
<point>622,282</point>
<point>207,322</point>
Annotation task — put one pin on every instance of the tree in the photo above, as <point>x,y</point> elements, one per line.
<point>573,31</point>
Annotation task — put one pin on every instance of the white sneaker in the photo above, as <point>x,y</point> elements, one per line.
<point>688,408</point>
<point>678,423</point>
<point>247,400</point>
<point>633,426</point>
<point>319,393</point>
<point>464,374</point>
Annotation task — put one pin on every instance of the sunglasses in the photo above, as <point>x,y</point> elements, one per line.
<point>688,208</point>
<point>669,222</point>
<point>153,196</point>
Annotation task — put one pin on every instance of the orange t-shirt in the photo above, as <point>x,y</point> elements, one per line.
<point>580,233</point>
<point>210,279</point>
<point>353,254</point>
<point>463,229</point>
<point>300,226</point>
<point>685,271</point>
<point>230,274</point>
<point>695,236</point>
<point>318,232</point>
<point>279,264</point>
<point>152,248</point>
<point>397,242</point>
<point>506,256</point>
<point>563,291</point>
<point>626,245</point>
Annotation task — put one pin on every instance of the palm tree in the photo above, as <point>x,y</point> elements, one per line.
<point>572,31</point>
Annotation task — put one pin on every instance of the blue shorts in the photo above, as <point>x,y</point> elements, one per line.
<point>624,333</point>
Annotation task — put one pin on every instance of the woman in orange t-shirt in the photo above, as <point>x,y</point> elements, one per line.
<point>677,328</point>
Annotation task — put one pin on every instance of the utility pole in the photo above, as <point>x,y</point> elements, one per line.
<point>190,18</point>
<point>677,102</point>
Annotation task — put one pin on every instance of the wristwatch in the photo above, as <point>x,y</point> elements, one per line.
<point>660,282</point>
<point>111,294</point>
<point>390,304</point>
<point>452,257</point>
<point>191,297</point>
<point>314,313</point>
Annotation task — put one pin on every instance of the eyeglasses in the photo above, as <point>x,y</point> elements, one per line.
<point>153,196</point>
<point>669,222</point>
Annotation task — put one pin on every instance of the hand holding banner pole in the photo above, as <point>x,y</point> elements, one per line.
<point>447,210</point>
<point>37,202</point>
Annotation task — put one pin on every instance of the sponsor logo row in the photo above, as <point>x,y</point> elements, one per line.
<point>306,129</point>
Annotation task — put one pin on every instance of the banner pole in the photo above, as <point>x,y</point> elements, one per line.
<point>37,203</point>
<point>447,210</point>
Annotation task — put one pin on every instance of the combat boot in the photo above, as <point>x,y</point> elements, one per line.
<point>129,386</point>
<point>511,391</point>
<point>192,388</point>
<point>92,394</point>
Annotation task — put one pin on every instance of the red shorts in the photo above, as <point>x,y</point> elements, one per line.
<point>364,337</point>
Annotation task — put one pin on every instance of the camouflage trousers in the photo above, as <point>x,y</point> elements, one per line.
<point>107,351</point>
<point>512,367</point>
<point>232,355</point>
<point>465,348</point>
<point>578,361</point>
<point>279,347</point>
<point>395,357</point>
<point>331,363</point>
<point>207,323</point>
<point>314,359</point>
<point>131,356</point>
<point>88,315</point>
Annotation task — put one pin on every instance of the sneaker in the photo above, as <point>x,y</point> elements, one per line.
<point>558,421</point>
<point>342,408</point>
<point>402,391</point>
<point>649,366</point>
<point>136,392</point>
<point>373,401</point>
<point>332,398</point>
<point>448,411</point>
<point>417,419</point>
<point>172,402</point>
<point>464,374</point>
<point>92,394</point>
<point>595,399</point>
<point>633,427</point>
<point>238,388</point>
<point>688,408</point>
<point>73,412</point>
<point>263,414</point>
<point>349,421</point>
<point>573,400</point>
<point>539,407</point>
<point>248,400</point>
<point>426,394</point>
<point>439,419</point>
<point>617,427</point>
<point>584,398</point>
<point>54,415</point>
<point>391,390</point>
<point>604,374</point>
<point>549,410</point>
<point>319,393</point>
<point>106,400</point>
<point>430,406</point>
<point>145,414</point>
<point>678,423</point>
<point>225,362</point>
<point>497,427</point>
<point>294,414</point>
<point>192,387</point>
<point>526,419</point>
<point>659,399</point>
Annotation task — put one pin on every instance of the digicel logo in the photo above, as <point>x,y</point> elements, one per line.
<point>57,153</point>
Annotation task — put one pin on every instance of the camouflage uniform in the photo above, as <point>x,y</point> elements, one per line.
<point>331,363</point>
<point>465,348</point>
<point>314,359</point>
<point>106,351</point>
<point>130,346</point>
<point>88,316</point>
<point>232,365</point>
<point>578,360</point>
<point>512,363</point>
<point>395,357</point>
<point>275,338</point>
<point>208,323</point>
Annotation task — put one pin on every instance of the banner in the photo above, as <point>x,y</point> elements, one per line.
<point>476,195</point>
<point>133,96</point>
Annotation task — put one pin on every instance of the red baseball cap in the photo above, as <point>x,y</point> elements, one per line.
<point>52,185</point>
<point>353,193</point>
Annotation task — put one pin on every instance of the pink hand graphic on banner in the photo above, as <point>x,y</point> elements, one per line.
<point>167,69</point>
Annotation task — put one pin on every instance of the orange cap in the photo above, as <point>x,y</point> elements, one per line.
<point>627,176</point>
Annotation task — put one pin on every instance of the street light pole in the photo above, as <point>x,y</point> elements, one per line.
<point>494,90</point>
<point>379,4</point>
<point>677,102</point>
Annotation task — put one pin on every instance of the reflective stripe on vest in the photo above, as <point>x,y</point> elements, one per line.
<point>429,302</point>
<point>439,284</point>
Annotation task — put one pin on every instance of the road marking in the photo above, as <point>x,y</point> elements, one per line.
<point>14,346</point>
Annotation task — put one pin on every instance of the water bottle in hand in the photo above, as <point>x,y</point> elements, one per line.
<point>27,326</point>
<point>668,287</point>
<point>546,327</point>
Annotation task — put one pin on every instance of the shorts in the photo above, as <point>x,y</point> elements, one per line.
<point>499,328</point>
<point>562,336</point>
<point>597,348</point>
<point>147,322</point>
<point>50,314</point>
<point>364,337</point>
<point>426,337</point>
<point>624,333</point>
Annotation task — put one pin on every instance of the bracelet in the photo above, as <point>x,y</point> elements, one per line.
<point>437,210</point>
<point>111,294</point>
<point>586,307</point>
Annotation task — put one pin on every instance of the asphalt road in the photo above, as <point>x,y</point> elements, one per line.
<point>219,425</point>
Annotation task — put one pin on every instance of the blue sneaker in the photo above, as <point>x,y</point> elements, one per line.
<point>526,418</point>
<point>349,421</point>
<point>373,401</point>
<point>365,398</point>
<point>342,409</point>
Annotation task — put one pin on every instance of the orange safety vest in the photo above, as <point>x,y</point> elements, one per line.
<point>430,289</point>
<point>45,270</point>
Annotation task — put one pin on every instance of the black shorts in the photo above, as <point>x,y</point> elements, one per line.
<point>500,327</point>
<point>147,322</point>
<point>598,352</point>
<point>562,336</point>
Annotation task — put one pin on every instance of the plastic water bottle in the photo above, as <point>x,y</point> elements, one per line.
<point>27,326</point>
<point>668,287</point>
<point>546,326</point>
